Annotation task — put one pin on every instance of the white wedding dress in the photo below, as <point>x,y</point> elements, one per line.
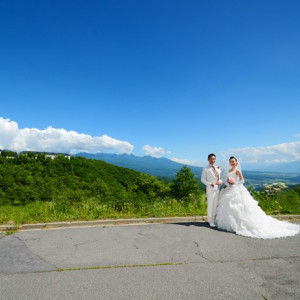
<point>238,212</point>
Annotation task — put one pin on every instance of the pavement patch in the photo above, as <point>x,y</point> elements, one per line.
<point>16,258</point>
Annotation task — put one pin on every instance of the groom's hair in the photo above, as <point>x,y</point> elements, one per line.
<point>210,155</point>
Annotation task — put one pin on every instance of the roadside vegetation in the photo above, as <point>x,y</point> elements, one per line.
<point>40,189</point>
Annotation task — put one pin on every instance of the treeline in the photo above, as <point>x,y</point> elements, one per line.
<point>29,178</point>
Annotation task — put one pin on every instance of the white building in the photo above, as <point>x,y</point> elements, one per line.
<point>52,155</point>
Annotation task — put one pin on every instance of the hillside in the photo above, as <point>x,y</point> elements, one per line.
<point>24,180</point>
<point>37,188</point>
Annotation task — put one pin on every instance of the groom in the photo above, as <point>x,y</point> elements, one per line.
<point>211,177</point>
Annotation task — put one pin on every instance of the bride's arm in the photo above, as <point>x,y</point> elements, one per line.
<point>241,177</point>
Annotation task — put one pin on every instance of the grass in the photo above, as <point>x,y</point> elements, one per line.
<point>12,231</point>
<point>117,266</point>
<point>43,212</point>
<point>88,209</point>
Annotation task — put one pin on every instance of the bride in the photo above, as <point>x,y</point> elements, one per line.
<point>238,212</point>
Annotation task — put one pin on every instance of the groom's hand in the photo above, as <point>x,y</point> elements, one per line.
<point>219,182</point>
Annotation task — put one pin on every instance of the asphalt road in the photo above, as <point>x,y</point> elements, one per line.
<point>197,263</point>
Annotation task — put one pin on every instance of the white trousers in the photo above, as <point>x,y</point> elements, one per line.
<point>212,203</point>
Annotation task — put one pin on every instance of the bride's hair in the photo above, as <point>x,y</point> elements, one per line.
<point>233,157</point>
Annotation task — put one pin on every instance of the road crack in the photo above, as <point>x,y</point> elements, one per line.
<point>199,252</point>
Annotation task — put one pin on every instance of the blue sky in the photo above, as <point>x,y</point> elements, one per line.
<point>192,77</point>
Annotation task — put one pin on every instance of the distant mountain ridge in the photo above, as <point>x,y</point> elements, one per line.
<point>162,167</point>
<point>290,167</point>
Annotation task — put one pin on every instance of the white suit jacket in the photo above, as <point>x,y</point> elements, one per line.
<point>208,176</point>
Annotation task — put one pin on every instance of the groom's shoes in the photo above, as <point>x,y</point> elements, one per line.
<point>212,224</point>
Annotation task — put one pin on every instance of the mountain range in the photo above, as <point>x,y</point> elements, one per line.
<point>164,167</point>
<point>161,167</point>
<point>288,167</point>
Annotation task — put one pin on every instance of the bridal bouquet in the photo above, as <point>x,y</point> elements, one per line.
<point>231,180</point>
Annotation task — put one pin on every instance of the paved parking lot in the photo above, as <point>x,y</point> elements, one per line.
<point>147,261</point>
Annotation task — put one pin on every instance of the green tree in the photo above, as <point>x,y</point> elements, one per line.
<point>100,189</point>
<point>184,185</point>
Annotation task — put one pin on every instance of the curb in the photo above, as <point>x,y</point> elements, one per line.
<point>104,222</point>
<point>119,222</point>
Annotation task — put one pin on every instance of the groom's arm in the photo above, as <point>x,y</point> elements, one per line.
<point>204,178</point>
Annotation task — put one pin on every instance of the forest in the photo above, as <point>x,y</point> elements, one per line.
<point>36,188</point>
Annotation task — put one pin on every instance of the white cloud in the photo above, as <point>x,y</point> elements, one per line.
<point>155,151</point>
<point>285,152</point>
<point>55,140</point>
<point>297,135</point>
<point>189,162</point>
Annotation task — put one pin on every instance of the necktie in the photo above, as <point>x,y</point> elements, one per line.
<point>215,171</point>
